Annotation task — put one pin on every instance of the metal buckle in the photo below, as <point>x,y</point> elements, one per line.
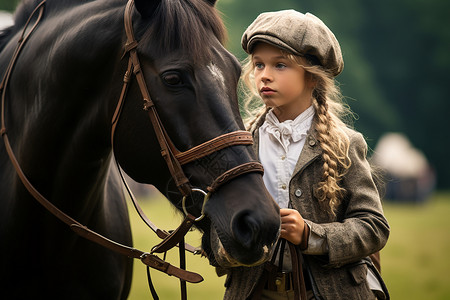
<point>283,282</point>
<point>205,199</point>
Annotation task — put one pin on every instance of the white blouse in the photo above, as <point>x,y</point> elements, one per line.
<point>280,145</point>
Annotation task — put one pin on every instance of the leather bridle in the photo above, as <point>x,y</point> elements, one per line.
<point>174,160</point>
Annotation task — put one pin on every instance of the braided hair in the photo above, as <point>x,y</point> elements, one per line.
<point>329,125</point>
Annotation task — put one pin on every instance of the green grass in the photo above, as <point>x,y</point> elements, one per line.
<point>415,262</point>
<point>165,217</point>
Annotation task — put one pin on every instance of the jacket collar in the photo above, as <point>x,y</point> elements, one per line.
<point>310,151</point>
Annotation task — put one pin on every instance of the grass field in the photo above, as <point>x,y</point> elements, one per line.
<point>415,262</point>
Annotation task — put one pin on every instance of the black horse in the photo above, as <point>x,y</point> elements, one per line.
<point>59,102</point>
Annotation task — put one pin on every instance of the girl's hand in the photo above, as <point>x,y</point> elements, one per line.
<point>292,225</point>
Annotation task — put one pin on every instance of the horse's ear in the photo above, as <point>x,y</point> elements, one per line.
<point>211,2</point>
<point>146,8</point>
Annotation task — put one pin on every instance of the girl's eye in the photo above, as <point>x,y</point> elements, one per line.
<point>281,66</point>
<point>259,65</point>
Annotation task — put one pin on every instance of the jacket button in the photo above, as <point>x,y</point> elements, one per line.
<point>298,192</point>
<point>311,142</point>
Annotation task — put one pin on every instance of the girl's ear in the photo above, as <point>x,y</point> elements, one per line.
<point>311,80</point>
<point>146,8</point>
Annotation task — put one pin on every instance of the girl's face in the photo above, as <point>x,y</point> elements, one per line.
<point>281,82</point>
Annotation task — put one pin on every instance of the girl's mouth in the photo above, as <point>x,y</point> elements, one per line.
<point>267,91</point>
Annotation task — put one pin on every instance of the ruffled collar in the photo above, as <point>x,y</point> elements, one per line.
<point>289,130</point>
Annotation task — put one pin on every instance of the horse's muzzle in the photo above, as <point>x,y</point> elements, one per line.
<point>246,249</point>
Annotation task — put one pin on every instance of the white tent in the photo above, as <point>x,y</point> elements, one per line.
<point>5,19</point>
<point>409,175</point>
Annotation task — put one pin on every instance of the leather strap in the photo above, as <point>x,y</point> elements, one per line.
<point>239,137</point>
<point>176,236</point>
<point>235,172</point>
<point>182,254</point>
<point>173,157</point>
<point>270,272</point>
<point>148,259</point>
<point>22,40</point>
<point>31,189</point>
<point>297,271</point>
<point>159,232</point>
<point>156,263</point>
<point>167,147</point>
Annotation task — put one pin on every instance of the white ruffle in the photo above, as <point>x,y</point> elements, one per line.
<point>289,130</point>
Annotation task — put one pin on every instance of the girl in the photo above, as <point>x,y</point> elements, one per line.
<point>315,166</point>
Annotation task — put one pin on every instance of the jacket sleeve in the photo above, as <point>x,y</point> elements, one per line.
<point>361,228</point>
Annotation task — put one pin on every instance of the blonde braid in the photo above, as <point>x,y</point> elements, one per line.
<point>333,141</point>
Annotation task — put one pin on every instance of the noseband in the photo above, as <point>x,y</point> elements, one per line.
<point>173,157</point>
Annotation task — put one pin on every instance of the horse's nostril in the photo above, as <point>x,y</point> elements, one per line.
<point>245,229</point>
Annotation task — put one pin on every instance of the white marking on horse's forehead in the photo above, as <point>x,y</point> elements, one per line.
<point>216,73</point>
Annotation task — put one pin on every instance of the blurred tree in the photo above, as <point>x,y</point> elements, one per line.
<point>397,64</point>
<point>8,5</point>
<point>409,43</point>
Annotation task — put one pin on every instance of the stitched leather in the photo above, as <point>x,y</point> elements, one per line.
<point>176,236</point>
<point>75,225</point>
<point>173,157</point>
<point>235,172</point>
<point>239,137</point>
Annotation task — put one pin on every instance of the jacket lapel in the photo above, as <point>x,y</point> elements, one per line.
<point>311,150</point>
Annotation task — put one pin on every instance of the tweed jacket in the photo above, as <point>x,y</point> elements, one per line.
<point>358,230</point>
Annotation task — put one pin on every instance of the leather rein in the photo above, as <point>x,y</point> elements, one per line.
<point>174,160</point>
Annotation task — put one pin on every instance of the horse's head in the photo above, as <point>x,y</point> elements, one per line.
<point>192,80</point>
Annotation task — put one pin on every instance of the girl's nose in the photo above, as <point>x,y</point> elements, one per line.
<point>266,76</point>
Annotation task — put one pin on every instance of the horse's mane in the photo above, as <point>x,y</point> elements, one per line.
<point>24,10</point>
<point>176,24</point>
<point>184,24</point>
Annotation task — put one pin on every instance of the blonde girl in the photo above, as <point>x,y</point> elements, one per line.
<point>315,165</point>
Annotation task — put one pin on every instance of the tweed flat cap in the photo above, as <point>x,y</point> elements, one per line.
<point>297,33</point>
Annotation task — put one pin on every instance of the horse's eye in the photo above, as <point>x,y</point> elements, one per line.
<point>172,79</point>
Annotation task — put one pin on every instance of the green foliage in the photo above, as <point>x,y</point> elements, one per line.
<point>397,63</point>
<point>8,5</point>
